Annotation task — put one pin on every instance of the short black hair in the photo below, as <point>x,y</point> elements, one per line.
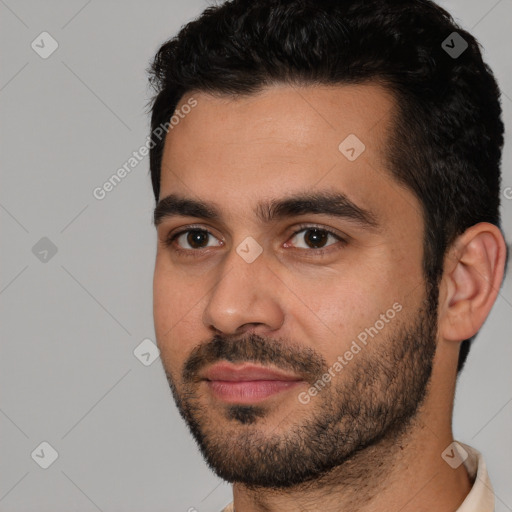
<point>447,134</point>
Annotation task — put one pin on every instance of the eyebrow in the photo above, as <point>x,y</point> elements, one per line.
<point>334,204</point>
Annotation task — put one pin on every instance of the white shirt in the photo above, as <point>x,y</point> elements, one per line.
<point>481,496</point>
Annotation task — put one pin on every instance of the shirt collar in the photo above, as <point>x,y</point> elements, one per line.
<point>481,496</point>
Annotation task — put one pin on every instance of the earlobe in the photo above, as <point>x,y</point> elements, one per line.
<point>473,274</point>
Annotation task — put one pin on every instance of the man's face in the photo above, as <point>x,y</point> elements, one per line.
<point>292,337</point>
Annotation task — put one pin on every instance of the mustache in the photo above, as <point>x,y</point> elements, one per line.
<point>303,361</point>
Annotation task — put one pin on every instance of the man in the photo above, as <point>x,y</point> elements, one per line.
<point>329,243</point>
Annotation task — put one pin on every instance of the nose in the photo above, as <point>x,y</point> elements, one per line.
<point>245,298</point>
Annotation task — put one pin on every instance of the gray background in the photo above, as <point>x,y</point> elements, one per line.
<point>69,325</point>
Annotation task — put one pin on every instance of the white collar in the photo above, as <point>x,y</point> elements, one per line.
<point>481,496</point>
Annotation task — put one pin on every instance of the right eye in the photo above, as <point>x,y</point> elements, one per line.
<point>195,238</point>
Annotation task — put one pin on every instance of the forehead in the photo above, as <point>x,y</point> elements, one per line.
<point>233,150</point>
<point>287,117</point>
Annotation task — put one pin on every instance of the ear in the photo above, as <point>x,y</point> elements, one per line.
<point>473,272</point>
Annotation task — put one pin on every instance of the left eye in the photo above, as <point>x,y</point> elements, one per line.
<point>315,238</point>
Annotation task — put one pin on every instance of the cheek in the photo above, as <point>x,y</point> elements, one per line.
<point>162,302</point>
<point>356,310</point>
<point>334,309</point>
<point>172,313</point>
<point>326,306</point>
<point>174,295</point>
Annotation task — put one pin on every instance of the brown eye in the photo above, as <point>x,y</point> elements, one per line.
<point>196,239</point>
<point>191,240</point>
<point>314,238</point>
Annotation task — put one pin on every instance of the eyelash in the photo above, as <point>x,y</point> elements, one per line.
<point>169,241</point>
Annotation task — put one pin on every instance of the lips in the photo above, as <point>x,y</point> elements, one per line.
<point>247,383</point>
<point>246,372</point>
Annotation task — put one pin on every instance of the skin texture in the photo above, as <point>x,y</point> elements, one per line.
<point>388,411</point>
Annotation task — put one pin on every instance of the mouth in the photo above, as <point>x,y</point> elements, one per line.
<point>247,383</point>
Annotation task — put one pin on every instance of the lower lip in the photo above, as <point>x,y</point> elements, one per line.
<point>249,391</point>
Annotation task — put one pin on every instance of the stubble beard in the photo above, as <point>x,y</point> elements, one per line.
<point>373,400</point>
